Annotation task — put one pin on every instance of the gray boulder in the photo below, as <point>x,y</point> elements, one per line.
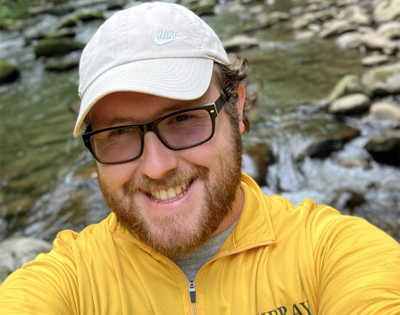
<point>51,47</point>
<point>17,251</point>
<point>384,111</point>
<point>386,14</point>
<point>349,40</point>
<point>374,41</point>
<point>350,104</point>
<point>337,27</point>
<point>240,42</point>
<point>383,80</point>
<point>390,30</point>
<point>385,148</point>
<point>374,60</point>
<point>8,72</point>
<point>347,85</point>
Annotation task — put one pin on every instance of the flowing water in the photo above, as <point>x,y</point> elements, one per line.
<point>47,178</point>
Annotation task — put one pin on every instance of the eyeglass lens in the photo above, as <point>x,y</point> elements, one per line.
<point>182,130</point>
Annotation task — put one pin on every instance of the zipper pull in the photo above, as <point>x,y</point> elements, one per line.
<point>192,291</point>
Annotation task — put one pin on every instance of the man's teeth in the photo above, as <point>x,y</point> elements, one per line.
<point>170,193</point>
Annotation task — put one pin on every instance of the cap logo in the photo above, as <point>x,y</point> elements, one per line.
<point>165,37</point>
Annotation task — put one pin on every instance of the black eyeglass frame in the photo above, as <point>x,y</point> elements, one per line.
<point>213,110</point>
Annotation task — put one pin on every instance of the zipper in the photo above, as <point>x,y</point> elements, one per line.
<point>192,291</point>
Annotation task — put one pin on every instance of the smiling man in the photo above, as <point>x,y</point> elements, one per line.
<point>162,113</point>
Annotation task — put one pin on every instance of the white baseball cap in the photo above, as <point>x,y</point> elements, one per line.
<point>155,48</point>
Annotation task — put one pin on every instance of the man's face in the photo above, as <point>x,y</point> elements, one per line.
<point>172,200</point>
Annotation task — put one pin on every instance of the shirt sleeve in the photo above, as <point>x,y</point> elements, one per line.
<point>47,285</point>
<point>357,266</point>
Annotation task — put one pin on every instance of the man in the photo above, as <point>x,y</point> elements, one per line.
<point>162,114</point>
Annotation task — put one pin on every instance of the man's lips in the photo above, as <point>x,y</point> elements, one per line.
<point>168,194</point>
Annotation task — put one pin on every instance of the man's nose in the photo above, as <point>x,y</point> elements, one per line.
<point>157,159</point>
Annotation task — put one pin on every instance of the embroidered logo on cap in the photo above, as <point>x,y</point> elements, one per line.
<point>165,37</point>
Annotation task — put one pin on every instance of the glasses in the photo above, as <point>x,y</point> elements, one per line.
<point>177,131</point>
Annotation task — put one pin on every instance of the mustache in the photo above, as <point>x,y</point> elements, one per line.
<point>171,179</point>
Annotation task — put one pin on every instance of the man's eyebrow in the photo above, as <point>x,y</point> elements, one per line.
<point>132,121</point>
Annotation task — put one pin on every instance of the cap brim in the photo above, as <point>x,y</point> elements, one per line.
<point>175,78</point>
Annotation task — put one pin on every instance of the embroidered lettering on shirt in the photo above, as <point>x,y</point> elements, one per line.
<point>302,308</point>
<point>165,37</point>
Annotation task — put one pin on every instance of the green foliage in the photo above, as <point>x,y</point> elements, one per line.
<point>18,9</point>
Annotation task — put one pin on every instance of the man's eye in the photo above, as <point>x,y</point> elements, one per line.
<point>181,118</point>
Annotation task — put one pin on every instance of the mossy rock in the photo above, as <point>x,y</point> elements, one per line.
<point>203,8</point>
<point>60,64</point>
<point>51,47</point>
<point>11,25</point>
<point>8,72</point>
<point>62,33</point>
<point>82,17</point>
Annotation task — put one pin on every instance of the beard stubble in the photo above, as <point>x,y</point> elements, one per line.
<point>171,235</point>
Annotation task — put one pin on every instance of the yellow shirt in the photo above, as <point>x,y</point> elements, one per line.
<point>279,259</point>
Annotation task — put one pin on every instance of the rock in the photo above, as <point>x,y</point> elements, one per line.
<point>15,252</point>
<point>350,104</point>
<point>390,30</point>
<point>375,41</point>
<point>62,63</point>
<point>374,60</point>
<point>386,14</point>
<point>323,145</point>
<point>305,20</point>
<point>304,35</point>
<point>8,72</point>
<point>347,200</point>
<point>383,80</point>
<point>385,148</point>
<point>349,40</point>
<point>81,18</point>
<point>347,85</point>
<point>337,27</point>
<point>266,21</point>
<point>240,42</point>
<point>384,111</point>
<point>51,47</point>
<point>203,8</point>
<point>354,162</point>
<point>21,205</point>
<point>258,156</point>
<point>355,15</point>
<point>11,25</point>
<point>62,33</point>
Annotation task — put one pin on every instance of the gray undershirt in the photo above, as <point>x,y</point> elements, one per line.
<point>191,263</point>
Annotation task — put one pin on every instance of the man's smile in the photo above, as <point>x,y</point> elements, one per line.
<point>171,193</point>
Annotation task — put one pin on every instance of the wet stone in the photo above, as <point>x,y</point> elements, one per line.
<point>8,72</point>
<point>21,205</point>
<point>324,145</point>
<point>383,80</point>
<point>203,8</point>
<point>374,60</point>
<point>81,18</point>
<point>258,157</point>
<point>374,41</point>
<point>15,252</point>
<point>350,104</point>
<point>385,111</point>
<point>350,40</point>
<point>51,47</point>
<point>385,148</point>
<point>390,30</point>
<point>240,42</point>
<point>349,84</point>
<point>337,27</point>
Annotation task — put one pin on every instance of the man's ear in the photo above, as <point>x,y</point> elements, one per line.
<point>240,90</point>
